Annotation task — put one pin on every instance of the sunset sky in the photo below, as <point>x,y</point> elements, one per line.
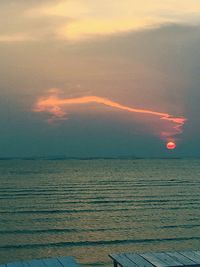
<point>74,73</point>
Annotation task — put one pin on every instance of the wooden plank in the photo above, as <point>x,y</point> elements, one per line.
<point>36,263</point>
<point>122,260</point>
<point>192,256</point>
<point>168,260</point>
<point>154,260</point>
<point>52,263</point>
<point>15,264</point>
<point>68,262</point>
<point>181,258</point>
<point>139,260</point>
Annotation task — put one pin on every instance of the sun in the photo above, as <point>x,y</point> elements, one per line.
<point>171,145</point>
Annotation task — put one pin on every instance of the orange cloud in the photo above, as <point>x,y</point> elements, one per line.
<point>56,106</point>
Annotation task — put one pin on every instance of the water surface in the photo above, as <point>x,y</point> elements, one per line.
<point>90,208</point>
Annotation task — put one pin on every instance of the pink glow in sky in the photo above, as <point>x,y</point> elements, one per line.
<point>57,107</point>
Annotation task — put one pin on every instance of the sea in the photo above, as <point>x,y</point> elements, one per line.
<point>90,208</point>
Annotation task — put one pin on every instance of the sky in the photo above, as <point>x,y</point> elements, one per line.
<point>109,78</point>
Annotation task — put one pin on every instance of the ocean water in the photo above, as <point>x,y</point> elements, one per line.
<point>90,208</point>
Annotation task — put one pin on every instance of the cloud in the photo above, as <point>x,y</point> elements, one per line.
<point>18,37</point>
<point>17,26</point>
<point>75,20</point>
<point>70,9</point>
<point>56,106</point>
<point>88,28</point>
<point>93,18</point>
<point>157,69</point>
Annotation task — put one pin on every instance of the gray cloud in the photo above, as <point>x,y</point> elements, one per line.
<point>156,68</point>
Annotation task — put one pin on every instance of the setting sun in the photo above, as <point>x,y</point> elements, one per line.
<point>171,145</point>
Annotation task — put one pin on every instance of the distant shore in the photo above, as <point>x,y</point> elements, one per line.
<point>93,158</point>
